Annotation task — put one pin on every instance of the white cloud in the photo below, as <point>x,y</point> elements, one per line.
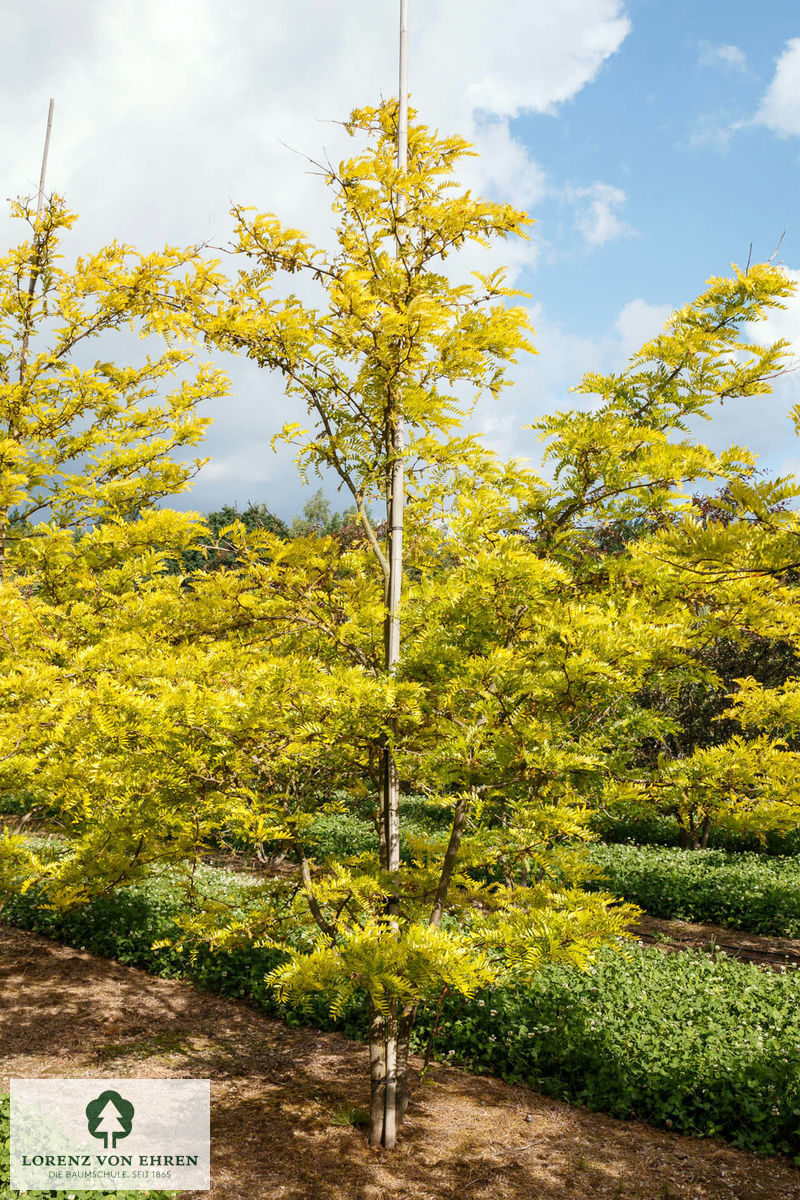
<point>164,112</point>
<point>168,112</point>
<point>780,106</point>
<point>638,322</point>
<point>726,55</point>
<point>551,51</point>
<point>504,166</point>
<point>712,131</point>
<point>597,213</point>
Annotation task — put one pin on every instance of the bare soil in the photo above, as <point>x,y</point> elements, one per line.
<point>281,1100</point>
<point>776,953</point>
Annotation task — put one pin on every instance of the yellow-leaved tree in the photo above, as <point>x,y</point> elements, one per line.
<point>84,441</point>
<point>243,702</point>
<point>468,645</point>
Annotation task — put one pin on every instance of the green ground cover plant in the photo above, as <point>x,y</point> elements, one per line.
<point>744,891</point>
<point>736,887</point>
<point>5,1187</point>
<point>699,1045</point>
<point>660,830</point>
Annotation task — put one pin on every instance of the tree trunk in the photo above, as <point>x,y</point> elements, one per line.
<point>377,1072</point>
<point>389,1038</point>
<point>405,1026</point>
<point>450,859</point>
<point>706,828</point>
<point>389,1047</point>
<point>390,1095</point>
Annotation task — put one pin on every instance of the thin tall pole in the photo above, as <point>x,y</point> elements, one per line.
<point>40,198</point>
<point>402,117</point>
<point>35,261</point>
<point>396,430</point>
<point>395,445</point>
<point>391,783</point>
<point>26,322</point>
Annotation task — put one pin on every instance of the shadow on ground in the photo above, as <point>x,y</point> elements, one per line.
<point>282,1099</point>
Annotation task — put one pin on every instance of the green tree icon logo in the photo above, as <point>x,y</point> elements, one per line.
<point>109,1116</point>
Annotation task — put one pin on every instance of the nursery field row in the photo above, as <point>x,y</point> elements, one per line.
<point>743,891</point>
<point>754,893</point>
<point>665,831</point>
<point>699,1045</point>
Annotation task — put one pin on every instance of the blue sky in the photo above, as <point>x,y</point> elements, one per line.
<point>669,121</point>
<point>652,141</point>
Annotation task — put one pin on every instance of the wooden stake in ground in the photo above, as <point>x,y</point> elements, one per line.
<point>384,1058</point>
<point>26,333</point>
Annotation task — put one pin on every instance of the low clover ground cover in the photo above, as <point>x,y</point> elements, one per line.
<point>751,892</point>
<point>758,893</point>
<point>660,830</point>
<point>5,1182</point>
<point>703,1046</point>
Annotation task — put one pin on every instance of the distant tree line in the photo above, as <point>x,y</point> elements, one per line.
<point>318,520</point>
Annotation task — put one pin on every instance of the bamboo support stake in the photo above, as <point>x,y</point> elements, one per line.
<point>34,275</point>
<point>26,330</point>
<point>396,447</point>
<point>43,172</point>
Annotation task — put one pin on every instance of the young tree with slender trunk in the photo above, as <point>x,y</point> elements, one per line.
<point>379,369</point>
<point>249,701</point>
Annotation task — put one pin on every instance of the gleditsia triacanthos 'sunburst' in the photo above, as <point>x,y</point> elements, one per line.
<point>85,445</point>
<point>245,702</point>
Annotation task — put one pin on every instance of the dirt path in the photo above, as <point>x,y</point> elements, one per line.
<point>773,952</point>
<point>278,1093</point>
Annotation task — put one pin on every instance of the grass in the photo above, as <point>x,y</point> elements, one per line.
<point>349,1114</point>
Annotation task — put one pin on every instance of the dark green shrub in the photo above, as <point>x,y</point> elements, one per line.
<point>743,891</point>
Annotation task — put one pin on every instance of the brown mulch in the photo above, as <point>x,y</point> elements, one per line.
<point>278,1093</point>
<point>772,952</point>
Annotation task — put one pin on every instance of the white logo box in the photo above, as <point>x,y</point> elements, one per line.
<point>110,1135</point>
